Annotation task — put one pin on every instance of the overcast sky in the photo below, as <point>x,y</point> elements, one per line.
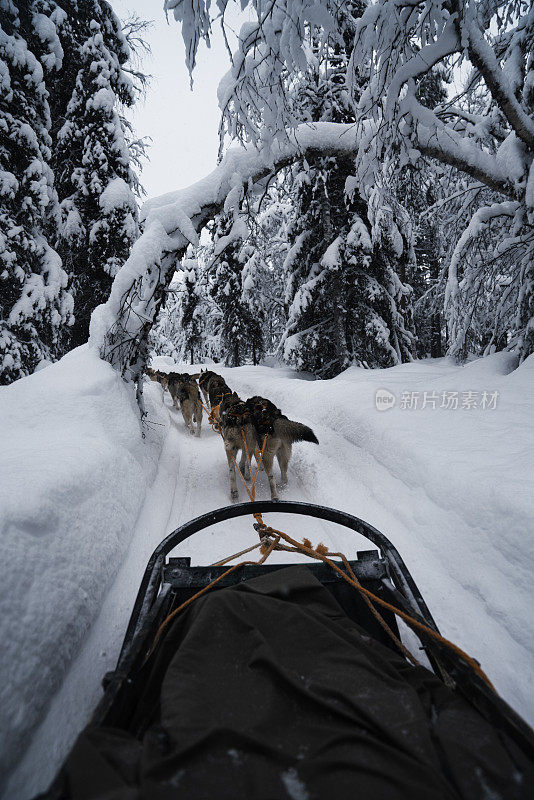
<point>183,124</point>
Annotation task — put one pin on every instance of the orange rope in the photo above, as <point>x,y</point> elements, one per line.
<point>406,617</point>
<point>202,591</point>
<point>224,561</point>
<point>212,416</point>
<point>252,491</point>
<point>321,554</point>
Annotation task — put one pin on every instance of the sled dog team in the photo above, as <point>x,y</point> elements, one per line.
<point>246,426</point>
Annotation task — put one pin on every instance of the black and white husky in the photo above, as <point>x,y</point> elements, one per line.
<point>258,423</point>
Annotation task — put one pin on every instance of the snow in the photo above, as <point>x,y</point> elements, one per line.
<point>46,31</point>
<point>9,185</point>
<point>451,488</point>
<point>331,259</point>
<point>74,474</point>
<point>102,100</point>
<point>512,157</point>
<point>238,232</point>
<point>40,290</point>
<point>117,194</point>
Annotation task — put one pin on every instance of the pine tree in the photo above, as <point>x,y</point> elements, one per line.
<point>34,303</point>
<point>345,300</point>
<point>239,331</point>
<point>191,321</point>
<point>91,159</point>
<point>62,85</point>
<point>263,254</point>
<point>419,187</point>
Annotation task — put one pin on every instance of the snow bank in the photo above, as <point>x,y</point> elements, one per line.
<point>74,475</point>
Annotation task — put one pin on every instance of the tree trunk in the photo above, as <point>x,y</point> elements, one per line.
<point>436,346</point>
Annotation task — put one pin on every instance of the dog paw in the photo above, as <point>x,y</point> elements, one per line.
<point>234,494</point>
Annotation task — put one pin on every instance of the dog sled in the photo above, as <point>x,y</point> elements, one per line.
<point>281,681</point>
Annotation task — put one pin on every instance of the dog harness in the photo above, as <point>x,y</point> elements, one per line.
<point>235,416</point>
<point>263,414</point>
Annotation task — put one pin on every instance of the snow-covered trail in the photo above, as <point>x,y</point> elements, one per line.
<point>464,537</point>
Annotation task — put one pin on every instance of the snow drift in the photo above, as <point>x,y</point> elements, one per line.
<point>74,474</point>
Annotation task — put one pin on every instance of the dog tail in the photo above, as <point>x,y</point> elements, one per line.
<point>297,432</point>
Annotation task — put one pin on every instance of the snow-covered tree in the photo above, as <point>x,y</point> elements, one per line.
<point>395,46</point>
<point>263,254</point>
<point>91,158</point>
<point>35,306</point>
<point>187,328</point>
<point>485,131</point>
<point>342,285</point>
<point>419,187</point>
<point>63,84</point>
<point>191,311</point>
<point>349,310</point>
<point>239,329</point>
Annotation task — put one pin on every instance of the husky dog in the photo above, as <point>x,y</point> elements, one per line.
<point>218,389</point>
<point>268,421</point>
<point>204,378</point>
<point>184,391</point>
<point>160,377</point>
<point>238,434</point>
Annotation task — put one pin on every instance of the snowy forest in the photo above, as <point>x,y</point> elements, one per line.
<point>373,202</point>
<point>350,270</point>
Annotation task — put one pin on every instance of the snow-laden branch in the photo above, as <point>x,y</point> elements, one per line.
<point>437,140</point>
<point>483,58</point>
<point>422,61</point>
<point>120,327</point>
<point>479,222</point>
<point>486,131</point>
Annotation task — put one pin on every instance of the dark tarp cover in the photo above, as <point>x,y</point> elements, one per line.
<point>267,690</point>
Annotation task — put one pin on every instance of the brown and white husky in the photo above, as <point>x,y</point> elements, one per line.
<point>238,435</point>
<point>261,422</point>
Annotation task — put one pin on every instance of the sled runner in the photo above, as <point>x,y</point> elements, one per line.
<point>280,682</point>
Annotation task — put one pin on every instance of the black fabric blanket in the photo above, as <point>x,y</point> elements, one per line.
<point>267,690</point>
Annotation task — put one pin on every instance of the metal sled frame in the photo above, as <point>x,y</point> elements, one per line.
<point>168,582</point>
